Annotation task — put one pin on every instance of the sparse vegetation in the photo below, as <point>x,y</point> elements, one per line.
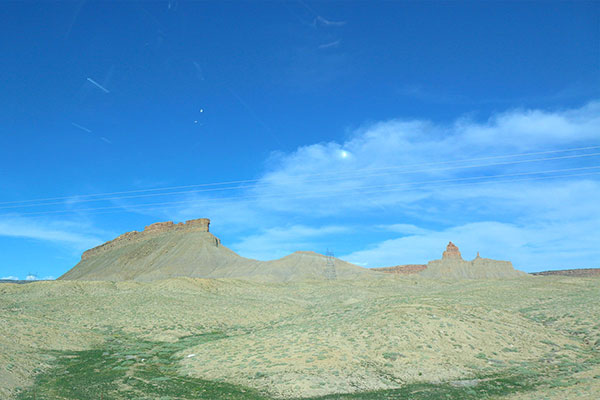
<point>125,368</point>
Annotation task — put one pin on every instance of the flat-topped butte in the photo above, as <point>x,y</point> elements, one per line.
<point>199,225</point>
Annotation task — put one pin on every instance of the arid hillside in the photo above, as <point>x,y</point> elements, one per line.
<point>167,250</point>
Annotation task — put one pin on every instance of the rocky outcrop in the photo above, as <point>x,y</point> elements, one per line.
<point>452,252</point>
<point>199,225</point>
<point>453,266</point>
<point>161,227</point>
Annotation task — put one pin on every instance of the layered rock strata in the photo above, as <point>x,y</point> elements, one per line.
<point>452,252</point>
<point>198,225</point>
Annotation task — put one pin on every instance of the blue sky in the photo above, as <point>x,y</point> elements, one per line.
<point>377,130</point>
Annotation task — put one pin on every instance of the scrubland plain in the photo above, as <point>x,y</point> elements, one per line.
<point>398,337</point>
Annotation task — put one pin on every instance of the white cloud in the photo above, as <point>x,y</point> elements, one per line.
<point>10,278</point>
<point>530,128</point>
<point>393,163</point>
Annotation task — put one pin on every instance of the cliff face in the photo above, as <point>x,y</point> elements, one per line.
<point>452,266</point>
<point>198,225</point>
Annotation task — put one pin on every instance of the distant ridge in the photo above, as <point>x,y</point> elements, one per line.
<point>167,250</point>
<point>576,272</point>
<point>21,281</point>
<point>408,269</point>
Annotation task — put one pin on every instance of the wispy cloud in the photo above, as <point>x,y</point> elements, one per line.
<point>428,94</point>
<point>83,128</point>
<point>330,44</point>
<point>198,69</point>
<point>99,86</point>
<point>67,233</point>
<point>319,20</point>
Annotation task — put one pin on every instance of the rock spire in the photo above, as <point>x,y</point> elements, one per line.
<point>451,252</point>
<point>453,266</point>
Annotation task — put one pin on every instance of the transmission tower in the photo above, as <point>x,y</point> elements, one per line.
<point>330,266</point>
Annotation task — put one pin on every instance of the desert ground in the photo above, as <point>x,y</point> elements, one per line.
<point>398,337</point>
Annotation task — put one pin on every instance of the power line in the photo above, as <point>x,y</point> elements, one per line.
<point>134,209</point>
<point>338,178</point>
<point>78,197</point>
<point>330,273</point>
<point>390,187</point>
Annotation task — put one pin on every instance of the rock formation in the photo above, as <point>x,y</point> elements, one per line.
<point>452,252</point>
<point>452,266</point>
<point>167,250</point>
